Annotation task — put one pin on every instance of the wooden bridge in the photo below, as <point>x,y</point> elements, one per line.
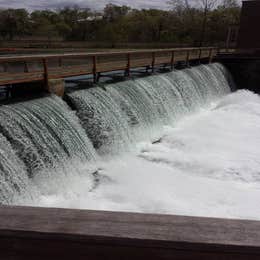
<point>16,69</point>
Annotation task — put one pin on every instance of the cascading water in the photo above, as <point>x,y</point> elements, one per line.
<point>13,178</point>
<point>45,134</point>
<point>44,137</point>
<point>116,116</point>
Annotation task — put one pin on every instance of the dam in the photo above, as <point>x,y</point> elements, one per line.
<point>134,154</point>
<point>178,142</point>
<point>50,139</point>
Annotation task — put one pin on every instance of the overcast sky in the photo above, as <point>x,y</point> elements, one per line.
<point>93,4</point>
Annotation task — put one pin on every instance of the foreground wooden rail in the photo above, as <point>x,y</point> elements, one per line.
<point>28,68</point>
<point>42,233</point>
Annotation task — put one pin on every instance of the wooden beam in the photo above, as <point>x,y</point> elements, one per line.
<point>45,72</point>
<point>172,60</point>
<point>44,233</point>
<point>95,69</point>
<point>153,61</point>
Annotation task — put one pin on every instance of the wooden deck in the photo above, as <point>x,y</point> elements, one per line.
<point>43,233</point>
<point>28,68</point>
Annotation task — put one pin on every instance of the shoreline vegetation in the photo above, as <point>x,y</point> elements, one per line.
<point>120,26</point>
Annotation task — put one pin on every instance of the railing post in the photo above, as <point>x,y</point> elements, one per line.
<point>153,61</point>
<point>95,69</point>
<point>188,58</point>
<point>172,60</point>
<point>46,73</point>
<point>128,65</point>
<point>210,55</point>
<point>200,53</point>
<point>26,69</point>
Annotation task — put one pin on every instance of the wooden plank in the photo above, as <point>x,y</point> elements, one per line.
<point>39,57</point>
<point>44,233</point>
<point>13,78</point>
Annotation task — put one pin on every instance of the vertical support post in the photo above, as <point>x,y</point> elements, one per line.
<point>60,62</point>
<point>95,69</point>
<point>210,55</point>
<point>172,60</point>
<point>200,53</point>
<point>128,65</point>
<point>153,61</point>
<point>26,69</point>
<point>188,58</point>
<point>46,72</point>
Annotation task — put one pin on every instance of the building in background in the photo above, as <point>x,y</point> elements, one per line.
<point>249,32</point>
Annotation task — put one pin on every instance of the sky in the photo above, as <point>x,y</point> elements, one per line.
<point>93,4</point>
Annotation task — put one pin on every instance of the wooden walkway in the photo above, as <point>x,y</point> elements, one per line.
<point>28,68</point>
<point>41,233</point>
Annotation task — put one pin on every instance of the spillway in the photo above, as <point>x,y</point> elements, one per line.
<point>46,137</point>
<point>118,115</point>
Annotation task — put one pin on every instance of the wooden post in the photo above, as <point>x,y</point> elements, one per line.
<point>210,55</point>
<point>128,65</point>
<point>60,62</point>
<point>26,69</point>
<point>153,61</point>
<point>188,58</point>
<point>172,60</point>
<point>95,69</point>
<point>46,73</point>
<point>200,52</point>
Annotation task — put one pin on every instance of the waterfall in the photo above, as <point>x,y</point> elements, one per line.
<point>13,178</point>
<point>120,114</point>
<point>45,137</point>
<point>45,133</point>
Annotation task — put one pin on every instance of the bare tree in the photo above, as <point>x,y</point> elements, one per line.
<point>207,5</point>
<point>230,3</point>
<point>180,4</point>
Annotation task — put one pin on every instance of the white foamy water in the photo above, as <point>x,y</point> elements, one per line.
<point>208,164</point>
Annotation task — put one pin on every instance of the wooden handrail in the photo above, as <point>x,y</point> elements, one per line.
<point>97,54</point>
<point>44,233</point>
<point>96,63</point>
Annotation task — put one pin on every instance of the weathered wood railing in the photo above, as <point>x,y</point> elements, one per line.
<point>28,68</point>
<point>42,233</point>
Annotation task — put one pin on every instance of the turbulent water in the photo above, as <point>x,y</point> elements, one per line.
<point>116,116</point>
<point>176,142</point>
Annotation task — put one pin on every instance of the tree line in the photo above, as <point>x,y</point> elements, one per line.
<point>183,24</point>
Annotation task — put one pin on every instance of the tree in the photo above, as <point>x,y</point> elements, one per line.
<point>113,12</point>
<point>14,22</point>
<point>230,4</point>
<point>207,5</point>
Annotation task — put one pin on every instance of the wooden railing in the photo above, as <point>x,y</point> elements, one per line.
<point>27,68</point>
<point>44,233</point>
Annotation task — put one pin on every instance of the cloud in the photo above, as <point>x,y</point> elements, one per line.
<point>96,5</point>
